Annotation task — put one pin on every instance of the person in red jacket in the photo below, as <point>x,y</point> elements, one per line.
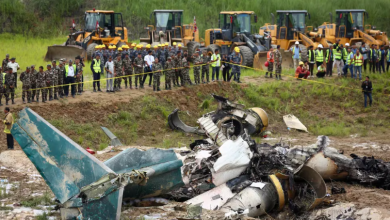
<point>300,72</point>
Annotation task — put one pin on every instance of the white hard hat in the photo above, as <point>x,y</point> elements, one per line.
<point>347,44</point>
<point>320,46</point>
<point>296,42</point>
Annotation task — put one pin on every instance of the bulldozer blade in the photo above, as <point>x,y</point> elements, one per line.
<point>57,52</point>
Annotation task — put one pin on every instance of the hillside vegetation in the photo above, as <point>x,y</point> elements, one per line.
<point>46,18</point>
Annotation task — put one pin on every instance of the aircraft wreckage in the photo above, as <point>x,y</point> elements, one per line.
<point>228,171</point>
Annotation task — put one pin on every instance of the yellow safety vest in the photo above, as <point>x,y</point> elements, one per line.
<point>6,130</point>
<point>310,55</point>
<point>67,70</point>
<point>349,60</point>
<point>96,66</point>
<point>319,56</point>
<point>388,55</point>
<point>345,52</point>
<point>215,57</point>
<point>4,78</point>
<point>358,60</point>
<point>337,54</point>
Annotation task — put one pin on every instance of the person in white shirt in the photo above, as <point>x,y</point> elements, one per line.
<point>15,67</point>
<point>149,59</point>
<point>321,71</point>
<point>70,74</point>
<point>110,74</point>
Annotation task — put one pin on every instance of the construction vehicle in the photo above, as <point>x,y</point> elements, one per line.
<point>350,28</point>
<point>235,30</point>
<point>101,27</point>
<point>290,27</point>
<point>169,28</point>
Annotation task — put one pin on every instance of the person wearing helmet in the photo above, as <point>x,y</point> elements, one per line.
<point>319,55</point>
<point>236,62</point>
<point>345,52</point>
<point>270,60</point>
<point>179,48</point>
<point>174,47</point>
<point>296,51</point>
<point>300,72</point>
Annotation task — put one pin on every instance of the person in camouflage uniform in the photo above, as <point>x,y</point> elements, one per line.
<point>2,79</point>
<point>34,75</point>
<point>61,74</point>
<point>41,84</point>
<point>197,62</point>
<point>278,61</point>
<point>25,78</point>
<point>185,72</point>
<point>79,70</point>
<point>118,73</point>
<point>9,86</point>
<point>157,69</point>
<point>5,63</point>
<point>49,82</point>
<point>138,69</point>
<point>56,72</point>
<point>128,68</point>
<point>236,61</point>
<point>178,64</point>
<point>206,66</point>
<point>168,73</point>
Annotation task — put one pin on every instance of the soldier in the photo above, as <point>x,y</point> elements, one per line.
<point>41,83</point>
<point>157,69</point>
<point>56,72</point>
<point>168,73</point>
<point>5,63</point>
<point>138,69</point>
<point>79,70</point>
<point>118,70</point>
<point>206,66</point>
<point>49,83</point>
<point>178,64</point>
<point>128,68</point>
<point>9,86</point>
<point>25,78</point>
<point>174,48</point>
<point>61,74</point>
<point>33,77</point>
<point>179,49</point>
<point>278,60</point>
<point>185,72</point>
<point>236,70</point>
<point>132,52</point>
<point>197,62</point>
<point>2,79</point>
<point>102,60</point>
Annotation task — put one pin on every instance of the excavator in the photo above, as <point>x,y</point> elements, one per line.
<point>169,28</point>
<point>350,28</point>
<point>235,30</point>
<point>101,27</point>
<point>290,27</point>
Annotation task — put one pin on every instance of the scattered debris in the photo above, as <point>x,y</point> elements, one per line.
<point>337,190</point>
<point>294,123</point>
<point>115,142</point>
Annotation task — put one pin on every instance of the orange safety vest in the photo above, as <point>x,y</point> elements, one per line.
<point>269,57</point>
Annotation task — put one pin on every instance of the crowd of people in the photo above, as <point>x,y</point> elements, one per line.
<point>139,61</point>
<point>344,58</point>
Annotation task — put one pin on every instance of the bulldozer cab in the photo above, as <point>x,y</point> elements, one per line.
<point>348,21</point>
<point>109,23</point>
<point>166,20</point>
<point>233,22</point>
<point>290,22</point>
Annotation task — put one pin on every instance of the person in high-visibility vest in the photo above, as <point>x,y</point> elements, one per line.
<point>312,59</point>
<point>373,57</point>
<point>345,53</point>
<point>95,67</point>
<point>358,60</point>
<point>8,122</point>
<point>329,60</point>
<point>319,55</point>
<point>215,64</point>
<point>271,60</point>
<point>349,63</point>
<point>338,59</point>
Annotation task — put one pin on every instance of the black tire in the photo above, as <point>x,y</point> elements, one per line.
<point>91,50</point>
<point>192,47</point>
<point>246,55</point>
<point>212,47</point>
<point>120,44</point>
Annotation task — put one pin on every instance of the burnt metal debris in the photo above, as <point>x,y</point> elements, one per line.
<point>227,171</point>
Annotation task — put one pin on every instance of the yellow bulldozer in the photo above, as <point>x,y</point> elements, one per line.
<point>350,28</point>
<point>169,28</point>
<point>235,30</point>
<point>101,27</point>
<point>290,27</point>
